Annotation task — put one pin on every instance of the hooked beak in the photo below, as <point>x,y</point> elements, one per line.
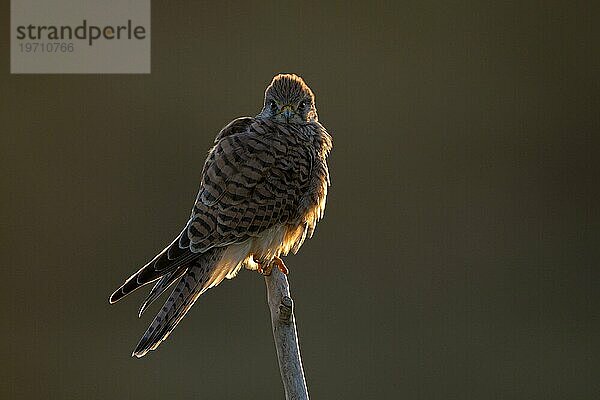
<point>287,111</point>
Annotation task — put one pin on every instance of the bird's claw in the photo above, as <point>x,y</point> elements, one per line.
<point>268,268</point>
<point>279,262</point>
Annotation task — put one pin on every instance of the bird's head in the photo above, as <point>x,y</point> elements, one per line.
<point>289,100</point>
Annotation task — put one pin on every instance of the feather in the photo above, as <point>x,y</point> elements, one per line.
<point>170,259</point>
<point>197,279</point>
<point>160,287</point>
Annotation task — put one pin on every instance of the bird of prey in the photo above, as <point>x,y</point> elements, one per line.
<point>262,192</point>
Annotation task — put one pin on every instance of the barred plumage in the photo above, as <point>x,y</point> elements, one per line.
<point>263,189</point>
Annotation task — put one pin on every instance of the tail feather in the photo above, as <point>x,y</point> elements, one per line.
<point>172,258</point>
<point>202,274</point>
<point>161,286</point>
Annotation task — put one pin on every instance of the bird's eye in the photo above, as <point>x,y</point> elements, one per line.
<point>302,104</point>
<point>273,105</point>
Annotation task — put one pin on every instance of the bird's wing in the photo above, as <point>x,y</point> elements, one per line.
<point>172,261</point>
<point>252,180</point>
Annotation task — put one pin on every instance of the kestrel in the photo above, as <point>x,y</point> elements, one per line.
<point>262,192</point>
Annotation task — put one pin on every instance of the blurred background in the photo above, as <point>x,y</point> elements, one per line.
<point>459,251</point>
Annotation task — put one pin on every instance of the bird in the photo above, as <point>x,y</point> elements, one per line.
<point>263,189</point>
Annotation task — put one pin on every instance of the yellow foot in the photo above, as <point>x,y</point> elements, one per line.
<point>266,268</point>
<point>279,262</point>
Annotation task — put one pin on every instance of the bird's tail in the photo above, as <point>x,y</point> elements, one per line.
<point>202,274</point>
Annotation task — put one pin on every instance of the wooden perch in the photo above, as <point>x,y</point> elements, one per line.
<point>283,323</point>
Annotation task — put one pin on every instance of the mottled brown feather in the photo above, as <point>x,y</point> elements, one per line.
<point>259,174</point>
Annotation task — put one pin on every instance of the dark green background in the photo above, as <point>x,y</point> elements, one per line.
<point>458,256</point>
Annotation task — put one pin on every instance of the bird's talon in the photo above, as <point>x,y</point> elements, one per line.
<point>279,262</point>
<point>266,270</point>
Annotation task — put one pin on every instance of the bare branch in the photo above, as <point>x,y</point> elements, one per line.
<point>283,323</point>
